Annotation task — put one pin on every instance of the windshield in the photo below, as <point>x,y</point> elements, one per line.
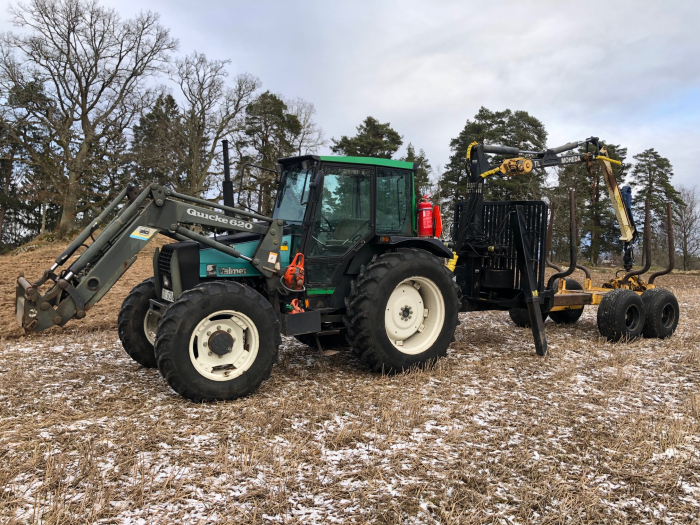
<point>293,191</point>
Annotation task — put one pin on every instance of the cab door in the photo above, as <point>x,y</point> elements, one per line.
<point>343,219</point>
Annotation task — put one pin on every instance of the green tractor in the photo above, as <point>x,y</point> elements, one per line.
<point>339,262</point>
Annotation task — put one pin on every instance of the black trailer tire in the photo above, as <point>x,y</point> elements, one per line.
<point>372,299</point>
<point>521,317</point>
<point>134,322</point>
<point>621,315</point>
<point>198,363</point>
<point>327,341</point>
<point>661,313</point>
<point>566,316</point>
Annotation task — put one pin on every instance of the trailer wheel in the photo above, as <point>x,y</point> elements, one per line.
<point>136,324</point>
<point>661,313</point>
<point>414,295</point>
<point>567,316</point>
<point>521,317</point>
<point>621,315</point>
<point>327,341</point>
<point>218,341</point>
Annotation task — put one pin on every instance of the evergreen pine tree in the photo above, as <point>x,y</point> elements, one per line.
<point>373,139</point>
<point>421,182</point>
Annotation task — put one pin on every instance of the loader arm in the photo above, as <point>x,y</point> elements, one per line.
<point>155,210</point>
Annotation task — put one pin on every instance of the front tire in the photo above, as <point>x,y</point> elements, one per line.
<point>402,311</point>
<point>661,313</point>
<point>218,341</point>
<point>137,325</point>
<point>621,315</point>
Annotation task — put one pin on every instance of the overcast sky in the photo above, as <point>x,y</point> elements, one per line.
<point>628,72</point>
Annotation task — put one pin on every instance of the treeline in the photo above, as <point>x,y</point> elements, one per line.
<point>82,113</point>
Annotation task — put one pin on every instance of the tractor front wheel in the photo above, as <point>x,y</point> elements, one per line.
<point>414,295</point>
<point>218,341</point>
<point>137,325</point>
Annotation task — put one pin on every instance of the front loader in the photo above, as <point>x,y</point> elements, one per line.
<point>339,255</point>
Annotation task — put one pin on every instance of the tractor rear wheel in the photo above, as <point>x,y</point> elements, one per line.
<point>661,313</point>
<point>621,315</point>
<point>137,325</point>
<point>414,294</point>
<point>218,341</point>
<point>566,316</point>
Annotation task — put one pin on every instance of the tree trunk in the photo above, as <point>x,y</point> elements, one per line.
<point>70,206</point>
<point>43,218</point>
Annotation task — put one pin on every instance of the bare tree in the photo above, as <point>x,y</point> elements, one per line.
<point>213,111</point>
<point>687,220</point>
<point>89,67</point>
<point>310,137</point>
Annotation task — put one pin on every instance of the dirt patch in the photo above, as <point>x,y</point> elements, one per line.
<point>33,262</point>
<point>596,432</point>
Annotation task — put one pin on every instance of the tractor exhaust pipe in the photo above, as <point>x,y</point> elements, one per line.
<point>228,185</point>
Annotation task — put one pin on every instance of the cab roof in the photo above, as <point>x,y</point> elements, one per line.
<point>370,161</point>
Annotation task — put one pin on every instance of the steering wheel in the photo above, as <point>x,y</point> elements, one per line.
<point>357,235</point>
<point>330,226</point>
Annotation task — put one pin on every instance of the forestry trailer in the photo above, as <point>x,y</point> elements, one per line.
<point>342,251</point>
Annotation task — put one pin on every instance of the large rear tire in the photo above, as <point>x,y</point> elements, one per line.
<point>621,315</point>
<point>137,326</point>
<point>218,341</point>
<point>414,295</point>
<point>661,313</point>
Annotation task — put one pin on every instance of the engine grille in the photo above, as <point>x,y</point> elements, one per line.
<point>166,255</point>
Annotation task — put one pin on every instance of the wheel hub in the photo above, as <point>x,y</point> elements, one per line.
<point>414,315</point>
<point>221,343</point>
<point>224,345</point>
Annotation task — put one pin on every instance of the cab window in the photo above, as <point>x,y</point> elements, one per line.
<point>394,201</point>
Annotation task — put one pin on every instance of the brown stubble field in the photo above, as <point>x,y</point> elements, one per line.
<point>595,432</point>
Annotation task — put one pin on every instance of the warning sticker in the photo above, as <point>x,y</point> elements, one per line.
<point>143,233</point>
<point>272,258</point>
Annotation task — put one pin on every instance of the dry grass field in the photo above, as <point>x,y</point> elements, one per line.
<point>596,432</point>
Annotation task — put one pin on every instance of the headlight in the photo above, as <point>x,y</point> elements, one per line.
<point>166,281</point>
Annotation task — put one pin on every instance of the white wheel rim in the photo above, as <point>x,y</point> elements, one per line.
<point>150,327</point>
<point>414,315</point>
<point>229,327</point>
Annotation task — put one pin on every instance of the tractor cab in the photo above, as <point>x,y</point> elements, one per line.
<point>339,210</point>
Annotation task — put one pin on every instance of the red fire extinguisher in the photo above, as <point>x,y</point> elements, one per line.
<point>425,217</point>
<point>429,219</point>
